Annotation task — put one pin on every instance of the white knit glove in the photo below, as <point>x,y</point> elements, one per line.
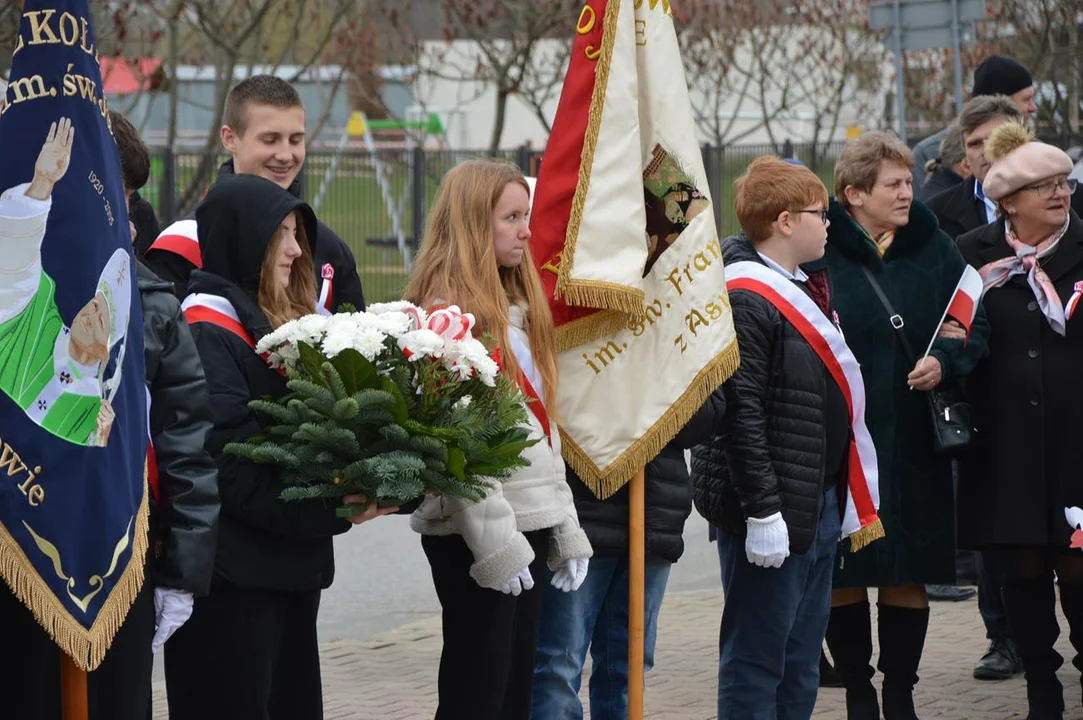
<point>517,583</point>
<point>768,541</point>
<point>571,575</point>
<point>172,609</point>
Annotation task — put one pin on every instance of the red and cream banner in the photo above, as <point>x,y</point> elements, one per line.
<point>625,240</point>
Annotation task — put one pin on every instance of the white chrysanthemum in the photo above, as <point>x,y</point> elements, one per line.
<point>334,343</point>
<point>422,343</point>
<point>369,342</point>
<point>389,307</point>
<point>462,403</point>
<point>487,370</point>
<point>310,328</point>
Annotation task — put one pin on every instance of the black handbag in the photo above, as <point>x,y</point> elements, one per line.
<point>953,429</point>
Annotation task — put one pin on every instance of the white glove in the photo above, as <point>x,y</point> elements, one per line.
<point>570,577</point>
<point>517,583</point>
<point>172,608</point>
<point>768,541</point>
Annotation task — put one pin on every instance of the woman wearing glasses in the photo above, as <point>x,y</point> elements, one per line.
<point>880,237</point>
<point>1020,491</point>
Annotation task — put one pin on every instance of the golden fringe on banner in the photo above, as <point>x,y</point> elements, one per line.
<point>86,648</point>
<point>595,293</point>
<point>646,448</point>
<point>587,329</point>
<point>868,534</point>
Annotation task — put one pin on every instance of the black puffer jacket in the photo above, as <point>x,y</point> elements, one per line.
<point>786,424</point>
<point>328,249</point>
<point>263,542</point>
<point>184,519</point>
<point>668,495</point>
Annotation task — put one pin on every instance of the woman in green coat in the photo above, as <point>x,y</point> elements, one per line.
<point>877,224</point>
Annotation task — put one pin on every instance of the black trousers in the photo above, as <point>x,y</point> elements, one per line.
<point>119,689</point>
<point>490,639</point>
<point>246,654</point>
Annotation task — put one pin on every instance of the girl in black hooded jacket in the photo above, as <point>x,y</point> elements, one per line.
<point>250,648</point>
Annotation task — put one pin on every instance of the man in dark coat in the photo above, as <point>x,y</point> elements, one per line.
<point>965,207</point>
<point>264,131</point>
<point>996,75</point>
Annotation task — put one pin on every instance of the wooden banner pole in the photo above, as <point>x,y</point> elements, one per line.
<point>73,689</point>
<point>636,612</point>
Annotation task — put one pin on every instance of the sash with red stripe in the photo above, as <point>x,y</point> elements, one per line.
<point>859,522</point>
<point>180,238</point>
<point>217,310</point>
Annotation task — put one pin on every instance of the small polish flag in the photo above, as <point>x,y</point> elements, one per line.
<point>964,303</point>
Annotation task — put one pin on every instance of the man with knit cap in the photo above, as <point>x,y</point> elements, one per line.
<point>996,75</point>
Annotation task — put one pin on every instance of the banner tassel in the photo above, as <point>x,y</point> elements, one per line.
<point>650,445</point>
<point>86,648</point>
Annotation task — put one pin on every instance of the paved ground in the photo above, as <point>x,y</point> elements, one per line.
<point>391,676</point>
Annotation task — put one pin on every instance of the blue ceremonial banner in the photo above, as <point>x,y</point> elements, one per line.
<point>73,415</point>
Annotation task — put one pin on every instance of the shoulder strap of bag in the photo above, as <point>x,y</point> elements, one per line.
<point>894,317</point>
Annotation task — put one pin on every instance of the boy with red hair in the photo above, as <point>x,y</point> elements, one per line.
<point>771,482</point>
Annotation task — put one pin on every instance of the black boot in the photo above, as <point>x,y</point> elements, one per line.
<point>1071,602</point>
<point>1031,606</point>
<point>849,638</point>
<point>828,677</point>
<point>902,640</point>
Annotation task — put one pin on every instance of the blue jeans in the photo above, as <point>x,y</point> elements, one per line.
<point>595,616</point>
<point>773,626</point>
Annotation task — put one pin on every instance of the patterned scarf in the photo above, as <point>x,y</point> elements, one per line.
<point>1027,261</point>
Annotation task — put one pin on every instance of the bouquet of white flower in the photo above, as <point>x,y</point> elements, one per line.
<point>391,403</point>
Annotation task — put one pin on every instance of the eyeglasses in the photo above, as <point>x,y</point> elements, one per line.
<point>821,213</point>
<point>1048,190</point>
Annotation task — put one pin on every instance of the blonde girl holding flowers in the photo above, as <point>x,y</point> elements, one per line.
<point>487,556</point>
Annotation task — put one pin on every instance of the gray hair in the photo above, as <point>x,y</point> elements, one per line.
<point>981,110</point>
<point>952,147</point>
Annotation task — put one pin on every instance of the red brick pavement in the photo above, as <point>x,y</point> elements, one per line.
<point>392,676</point>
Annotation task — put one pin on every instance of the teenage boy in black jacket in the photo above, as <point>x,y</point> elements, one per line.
<point>771,480</point>
<point>264,131</point>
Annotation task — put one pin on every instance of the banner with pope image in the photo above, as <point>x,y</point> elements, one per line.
<point>73,438</point>
<point>625,240</point>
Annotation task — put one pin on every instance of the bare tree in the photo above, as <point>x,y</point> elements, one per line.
<point>490,45</point>
<point>231,36</point>
<point>838,67</point>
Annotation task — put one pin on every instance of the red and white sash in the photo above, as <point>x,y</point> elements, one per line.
<point>180,238</point>
<point>216,310</point>
<point>859,521</point>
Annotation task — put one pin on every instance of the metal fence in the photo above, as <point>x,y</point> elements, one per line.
<point>370,199</point>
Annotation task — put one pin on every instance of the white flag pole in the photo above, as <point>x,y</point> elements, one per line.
<point>938,325</point>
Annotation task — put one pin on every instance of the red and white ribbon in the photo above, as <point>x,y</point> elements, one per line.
<point>1069,308</point>
<point>327,293</point>
<point>862,495</point>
